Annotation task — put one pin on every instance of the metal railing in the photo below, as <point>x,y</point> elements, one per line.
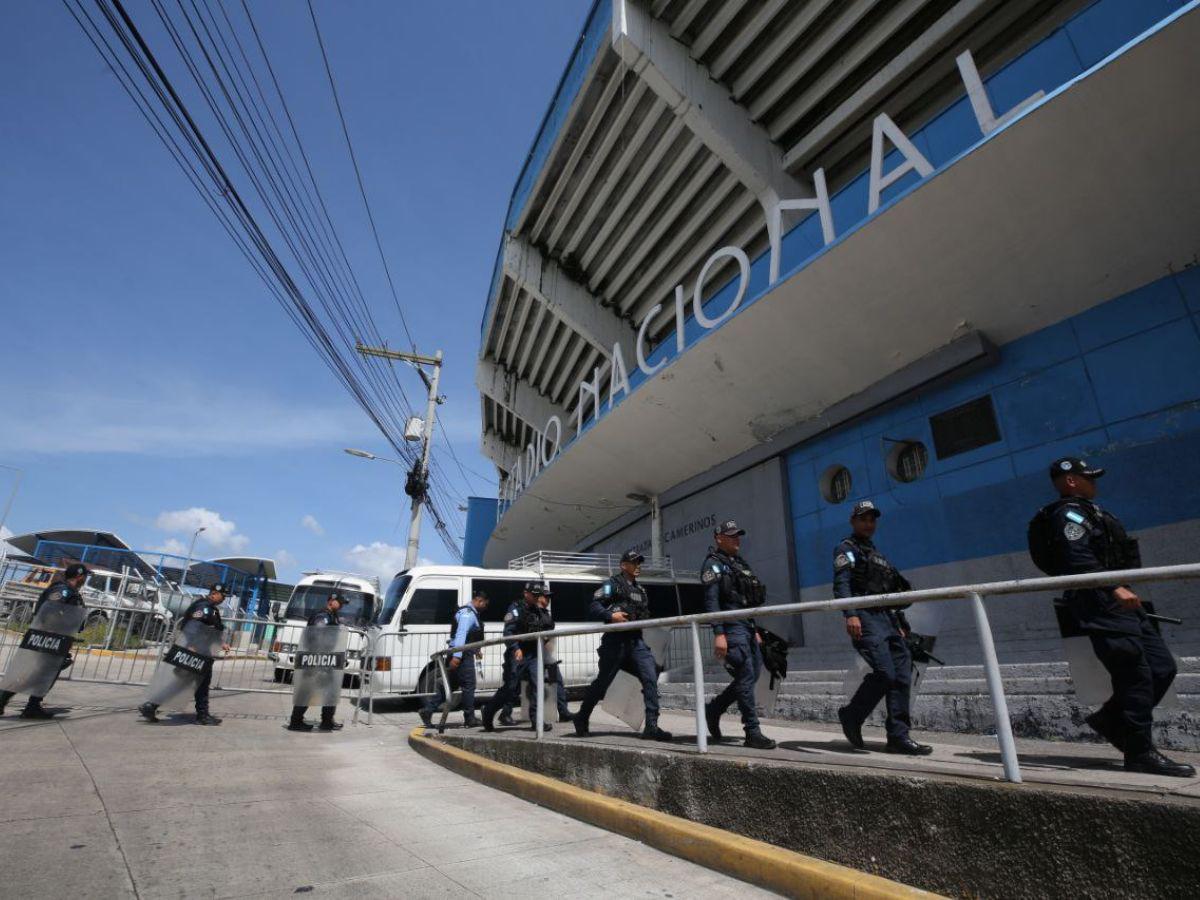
<point>971,593</point>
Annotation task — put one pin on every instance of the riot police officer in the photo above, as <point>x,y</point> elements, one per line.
<point>328,617</point>
<point>729,583</point>
<point>532,618</point>
<point>466,629</point>
<point>1081,537</point>
<point>622,599</point>
<point>44,667</point>
<point>878,634</point>
<point>207,611</point>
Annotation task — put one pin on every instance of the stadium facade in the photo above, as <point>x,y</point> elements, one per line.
<point>767,258</point>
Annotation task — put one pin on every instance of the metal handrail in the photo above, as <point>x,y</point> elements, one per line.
<point>971,592</point>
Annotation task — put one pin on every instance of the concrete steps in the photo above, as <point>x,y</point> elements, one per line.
<point>1041,701</point>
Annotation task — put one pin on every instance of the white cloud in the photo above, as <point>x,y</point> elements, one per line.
<point>379,558</point>
<point>220,534</point>
<point>310,522</point>
<point>172,420</point>
<point>285,562</point>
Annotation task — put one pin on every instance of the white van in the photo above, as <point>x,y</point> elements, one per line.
<point>415,617</point>
<point>310,596</point>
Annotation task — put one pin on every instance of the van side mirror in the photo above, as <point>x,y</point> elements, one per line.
<point>403,617</point>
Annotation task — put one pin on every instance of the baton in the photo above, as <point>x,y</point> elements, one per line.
<point>1153,617</point>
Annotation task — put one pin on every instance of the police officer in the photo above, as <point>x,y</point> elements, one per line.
<point>327,616</point>
<point>878,634</point>
<point>1085,538</point>
<point>206,610</point>
<point>466,629</point>
<point>532,618</point>
<point>622,599</point>
<point>729,583</point>
<point>67,592</point>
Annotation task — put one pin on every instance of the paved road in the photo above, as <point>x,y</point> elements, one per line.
<point>101,804</point>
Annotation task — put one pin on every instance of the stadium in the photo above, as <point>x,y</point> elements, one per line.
<point>765,259</point>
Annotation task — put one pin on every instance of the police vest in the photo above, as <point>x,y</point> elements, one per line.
<point>619,595</point>
<point>740,587</point>
<point>870,571</point>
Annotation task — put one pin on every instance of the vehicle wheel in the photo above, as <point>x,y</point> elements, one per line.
<point>427,681</point>
<point>95,618</point>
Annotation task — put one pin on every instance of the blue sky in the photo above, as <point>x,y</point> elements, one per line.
<point>151,384</point>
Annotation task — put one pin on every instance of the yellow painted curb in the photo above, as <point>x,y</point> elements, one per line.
<point>784,871</point>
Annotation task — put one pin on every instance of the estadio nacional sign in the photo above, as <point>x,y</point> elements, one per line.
<point>886,135</point>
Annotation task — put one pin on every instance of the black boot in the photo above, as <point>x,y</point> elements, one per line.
<point>505,719</point>
<point>205,719</point>
<point>470,721</point>
<point>1151,762</point>
<point>756,740</point>
<point>581,725</point>
<point>34,710</point>
<point>653,733</point>
<point>488,716</point>
<point>426,717</point>
<point>566,716</point>
<point>330,725</point>
<point>149,711</point>
<point>713,719</point>
<point>851,729</point>
<point>906,746</point>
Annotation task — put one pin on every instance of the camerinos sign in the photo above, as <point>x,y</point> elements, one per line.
<point>886,136</point>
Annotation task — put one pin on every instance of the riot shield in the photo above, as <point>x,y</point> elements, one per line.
<point>924,619</point>
<point>549,688</point>
<point>320,661</point>
<point>624,698</point>
<point>184,664</point>
<point>1092,683</point>
<point>44,649</point>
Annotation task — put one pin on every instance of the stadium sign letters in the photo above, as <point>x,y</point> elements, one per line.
<point>547,443</point>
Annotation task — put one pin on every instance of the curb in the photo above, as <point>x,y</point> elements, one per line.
<point>765,865</point>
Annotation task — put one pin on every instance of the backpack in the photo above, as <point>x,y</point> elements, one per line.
<point>1040,537</point>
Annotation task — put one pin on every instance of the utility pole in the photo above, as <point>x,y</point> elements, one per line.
<point>417,486</point>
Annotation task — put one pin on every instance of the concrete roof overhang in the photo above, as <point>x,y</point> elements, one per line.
<point>1093,192</point>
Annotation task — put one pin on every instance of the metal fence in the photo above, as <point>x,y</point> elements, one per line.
<point>972,593</point>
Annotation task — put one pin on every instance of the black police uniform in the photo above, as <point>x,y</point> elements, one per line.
<point>1088,538</point>
<point>531,619</point>
<point>622,651</point>
<point>324,617</point>
<point>859,570</point>
<point>467,628</point>
<point>209,613</point>
<point>59,592</point>
<point>729,583</point>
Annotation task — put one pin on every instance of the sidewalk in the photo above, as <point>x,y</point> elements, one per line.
<point>102,804</point>
<point>1056,764</point>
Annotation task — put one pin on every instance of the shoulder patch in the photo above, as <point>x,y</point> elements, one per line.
<point>1073,531</point>
<point>842,560</point>
<point>710,574</point>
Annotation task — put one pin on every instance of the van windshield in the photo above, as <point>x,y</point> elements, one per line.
<point>311,598</point>
<point>391,601</point>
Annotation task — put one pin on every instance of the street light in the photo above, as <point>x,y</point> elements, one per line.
<point>363,454</point>
<point>191,548</point>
